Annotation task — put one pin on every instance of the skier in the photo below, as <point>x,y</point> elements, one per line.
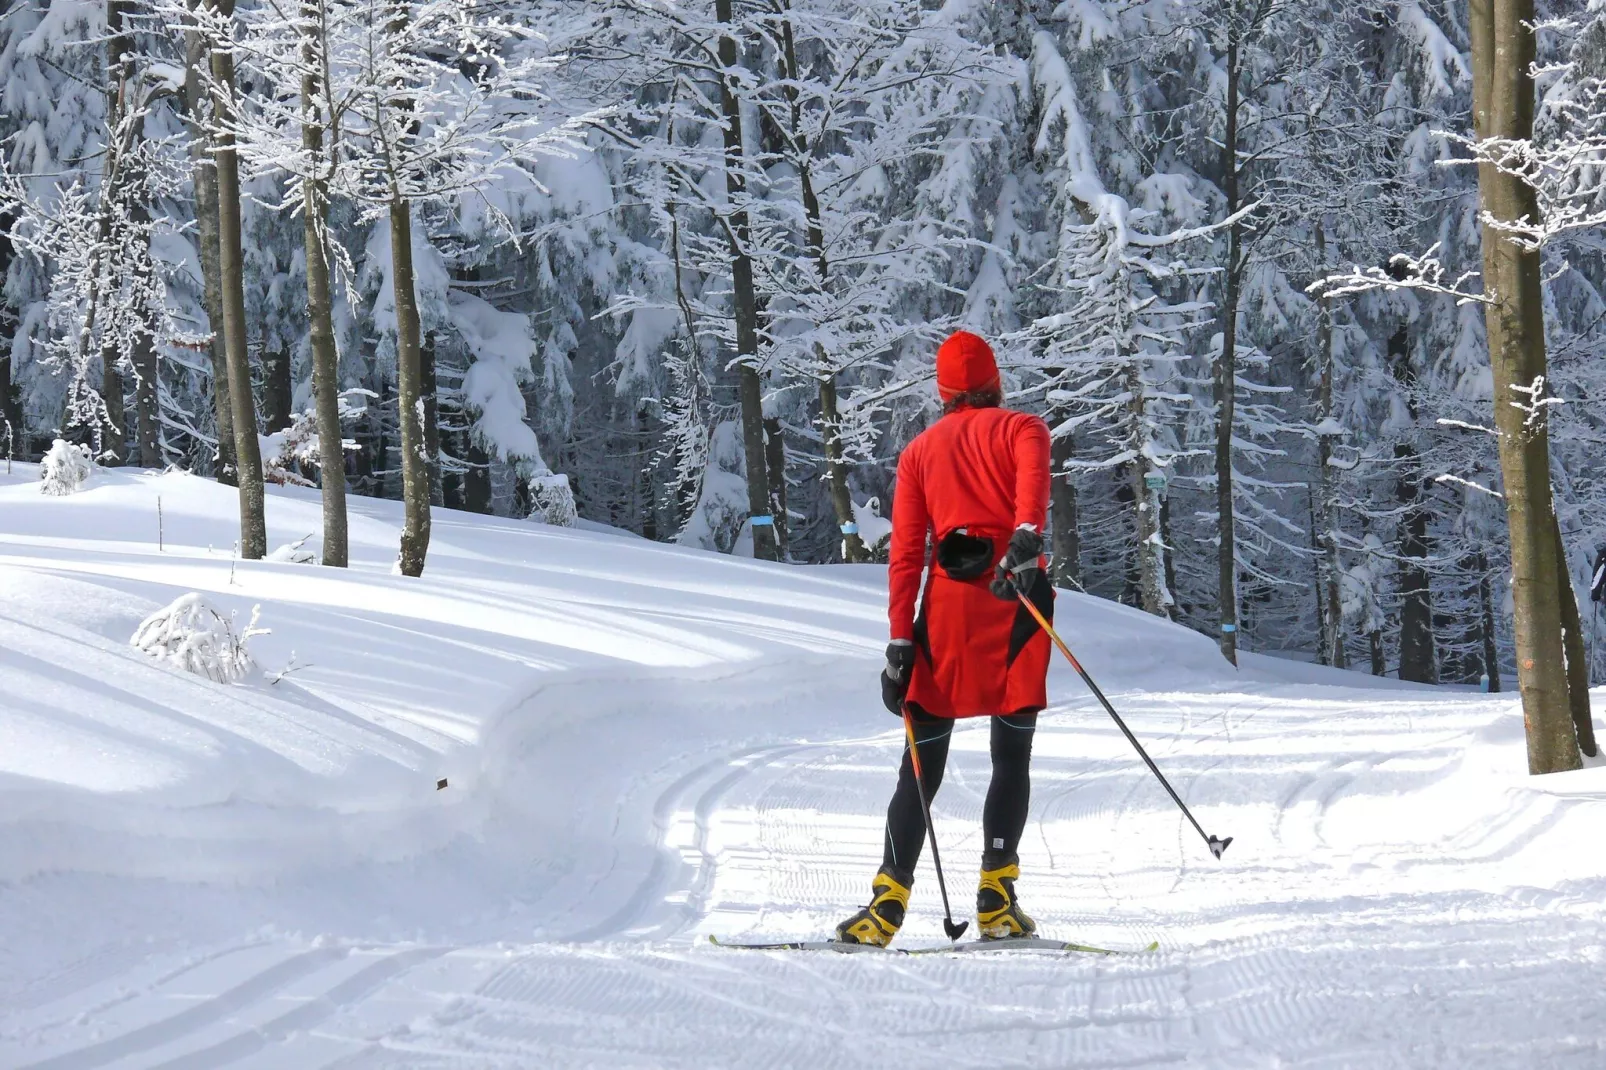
<point>977,483</point>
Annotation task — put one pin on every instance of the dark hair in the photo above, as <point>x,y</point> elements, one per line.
<point>988,397</point>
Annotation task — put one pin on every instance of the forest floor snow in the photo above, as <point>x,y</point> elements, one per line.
<point>644,745</point>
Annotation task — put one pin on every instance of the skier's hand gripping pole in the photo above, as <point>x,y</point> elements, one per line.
<point>1216,845</point>
<point>954,931</point>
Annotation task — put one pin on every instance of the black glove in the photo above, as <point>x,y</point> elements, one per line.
<point>895,677</point>
<point>1018,570</point>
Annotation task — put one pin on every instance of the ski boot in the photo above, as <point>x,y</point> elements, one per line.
<point>879,922</point>
<point>998,913</point>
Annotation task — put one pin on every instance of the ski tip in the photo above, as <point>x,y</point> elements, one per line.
<point>1153,947</point>
<point>1217,846</point>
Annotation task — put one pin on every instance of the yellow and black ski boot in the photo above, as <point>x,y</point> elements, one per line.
<point>998,914</point>
<point>879,922</point>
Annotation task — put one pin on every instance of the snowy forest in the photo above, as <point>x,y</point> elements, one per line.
<point>675,266</point>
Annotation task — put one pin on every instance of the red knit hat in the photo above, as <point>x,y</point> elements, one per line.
<point>964,363</point>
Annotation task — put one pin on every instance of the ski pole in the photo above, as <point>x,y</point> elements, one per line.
<point>1216,845</point>
<point>954,931</point>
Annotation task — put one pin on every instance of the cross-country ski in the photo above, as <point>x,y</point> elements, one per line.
<point>1000,945</point>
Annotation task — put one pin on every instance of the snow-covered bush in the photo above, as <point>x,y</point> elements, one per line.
<point>304,551</point>
<point>65,468</point>
<point>193,635</point>
<point>553,501</point>
<point>874,529</point>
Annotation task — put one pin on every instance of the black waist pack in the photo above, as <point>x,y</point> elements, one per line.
<point>963,556</point>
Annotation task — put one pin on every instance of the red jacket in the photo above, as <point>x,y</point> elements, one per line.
<point>985,470</point>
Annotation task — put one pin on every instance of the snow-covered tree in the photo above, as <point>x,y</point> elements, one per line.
<point>415,105</point>
<point>1108,364</point>
<point>87,222</point>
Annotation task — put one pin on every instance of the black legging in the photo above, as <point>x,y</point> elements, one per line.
<point>1003,817</point>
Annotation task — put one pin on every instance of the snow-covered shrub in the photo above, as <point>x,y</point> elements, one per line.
<point>874,529</point>
<point>304,551</point>
<point>197,638</point>
<point>553,500</point>
<point>65,468</point>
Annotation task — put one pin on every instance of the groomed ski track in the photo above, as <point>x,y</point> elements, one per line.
<point>646,745</point>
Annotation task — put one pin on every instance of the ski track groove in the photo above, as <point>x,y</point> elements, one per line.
<point>123,995</point>
<point>208,1011</point>
<point>308,1015</point>
<point>702,885</point>
<point>654,887</point>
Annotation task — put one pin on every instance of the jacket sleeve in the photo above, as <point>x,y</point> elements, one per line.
<point>1031,472</point>
<point>906,557</point>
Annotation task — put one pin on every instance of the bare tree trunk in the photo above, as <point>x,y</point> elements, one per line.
<point>1503,107</point>
<point>147,400</point>
<point>647,487</point>
<point>853,548</point>
<point>1148,482</point>
<point>1491,657</point>
<point>1577,656</point>
<point>836,469</point>
<point>12,434</point>
<point>203,170</point>
<point>114,443</point>
<point>1374,640</point>
<point>409,395</point>
<point>775,465</point>
<point>1170,558</point>
<point>1067,540</point>
<point>320,306</point>
<point>1417,659</point>
<point>477,481</point>
<point>750,389</point>
<point>277,390</point>
<point>452,481</point>
<point>1226,377</point>
<point>430,386</point>
<point>1330,570</point>
<point>231,273</point>
<point>147,386</point>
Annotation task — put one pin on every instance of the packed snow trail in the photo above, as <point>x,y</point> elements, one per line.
<point>645,745</point>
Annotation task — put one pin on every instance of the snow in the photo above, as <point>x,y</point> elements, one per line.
<point>646,744</point>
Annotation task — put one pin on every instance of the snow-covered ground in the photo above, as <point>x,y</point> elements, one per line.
<point>645,745</point>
